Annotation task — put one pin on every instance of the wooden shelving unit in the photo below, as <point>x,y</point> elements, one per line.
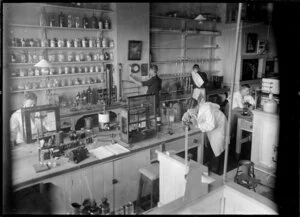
<point>53,88</point>
<point>185,34</point>
<point>56,75</point>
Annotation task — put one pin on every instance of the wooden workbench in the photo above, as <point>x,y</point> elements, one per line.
<point>96,174</point>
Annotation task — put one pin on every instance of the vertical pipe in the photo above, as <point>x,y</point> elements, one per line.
<point>227,138</point>
<point>186,146</point>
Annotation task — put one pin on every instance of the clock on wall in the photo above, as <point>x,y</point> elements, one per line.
<point>135,68</point>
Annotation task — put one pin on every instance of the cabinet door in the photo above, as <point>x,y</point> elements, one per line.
<point>102,182</point>
<point>126,171</point>
<point>75,186</point>
<point>59,196</point>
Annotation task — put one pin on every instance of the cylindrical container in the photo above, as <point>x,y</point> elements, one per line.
<point>96,68</point>
<point>69,43</point>
<point>70,21</point>
<point>88,123</point>
<point>91,69</point>
<point>88,57</point>
<point>70,57</point>
<point>91,43</point>
<point>101,56</point>
<point>100,24</point>
<point>104,42</point>
<point>75,209</point>
<point>53,42</point>
<point>36,72</point>
<point>59,70</point>
<point>79,69</point>
<point>77,57</point>
<point>86,69</point>
<point>77,22</point>
<point>111,43</point>
<point>106,24</point>
<point>98,42</point>
<point>76,42</point>
<point>66,70</point>
<point>52,71</point>
<point>61,57</point>
<point>111,55</point>
<point>23,72</point>
<point>81,55</point>
<point>84,42</point>
<point>73,70</point>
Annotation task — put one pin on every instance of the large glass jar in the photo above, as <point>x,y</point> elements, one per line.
<point>98,42</point>
<point>84,42</point>
<point>77,57</point>
<point>77,22</point>
<point>61,57</point>
<point>70,57</point>
<point>91,42</point>
<point>70,21</point>
<point>69,43</point>
<point>53,42</point>
<point>104,42</point>
<point>94,21</point>
<point>91,68</point>
<point>100,24</point>
<point>66,70</point>
<point>76,42</point>
<point>61,19</point>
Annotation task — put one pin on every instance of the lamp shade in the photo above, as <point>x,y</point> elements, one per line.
<point>43,64</point>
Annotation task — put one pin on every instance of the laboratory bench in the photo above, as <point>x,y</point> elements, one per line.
<point>115,177</point>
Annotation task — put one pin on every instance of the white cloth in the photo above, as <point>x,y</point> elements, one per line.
<point>238,100</point>
<point>197,79</point>
<point>212,121</point>
<point>197,92</point>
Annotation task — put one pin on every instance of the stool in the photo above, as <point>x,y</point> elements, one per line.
<point>149,174</point>
<point>245,174</point>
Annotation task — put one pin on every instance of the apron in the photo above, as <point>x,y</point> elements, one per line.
<point>216,136</point>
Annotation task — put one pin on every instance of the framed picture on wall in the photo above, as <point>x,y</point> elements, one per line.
<point>251,43</point>
<point>134,50</point>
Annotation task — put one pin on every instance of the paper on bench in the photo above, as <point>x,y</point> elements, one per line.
<point>116,148</point>
<point>101,152</point>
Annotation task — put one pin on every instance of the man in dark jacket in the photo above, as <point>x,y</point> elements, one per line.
<point>199,82</point>
<point>154,83</point>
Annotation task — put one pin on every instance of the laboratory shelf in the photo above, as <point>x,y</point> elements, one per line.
<point>62,63</point>
<point>55,88</point>
<point>63,48</point>
<point>56,75</point>
<point>58,28</point>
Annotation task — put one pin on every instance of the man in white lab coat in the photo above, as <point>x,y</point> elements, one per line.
<point>241,97</point>
<point>208,118</point>
<point>16,126</point>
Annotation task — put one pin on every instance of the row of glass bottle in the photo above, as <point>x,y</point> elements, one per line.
<point>33,57</point>
<point>72,21</point>
<point>52,83</point>
<point>23,72</point>
<point>101,42</point>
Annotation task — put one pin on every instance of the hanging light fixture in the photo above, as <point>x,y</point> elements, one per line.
<point>200,18</point>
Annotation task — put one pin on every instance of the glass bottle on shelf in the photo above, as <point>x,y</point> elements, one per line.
<point>98,42</point>
<point>52,21</point>
<point>106,24</point>
<point>101,56</point>
<point>100,23</point>
<point>85,22</point>
<point>171,117</point>
<point>61,19</point>
<point>77,22</point>
<point>104,42</point>
<point>94,21</point>
<point>43,21</point>
<point>70,21</point>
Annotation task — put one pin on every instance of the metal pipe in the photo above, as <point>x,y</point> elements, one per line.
<point>227,137</point>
